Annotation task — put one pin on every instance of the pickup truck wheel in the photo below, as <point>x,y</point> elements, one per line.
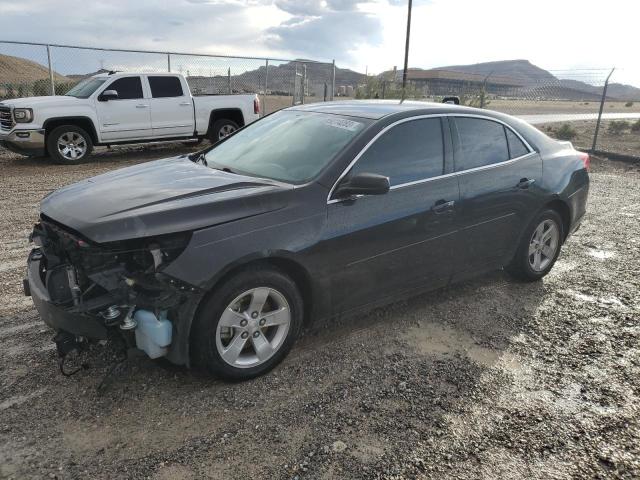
<point>221,129</point>
<point>69,145</point>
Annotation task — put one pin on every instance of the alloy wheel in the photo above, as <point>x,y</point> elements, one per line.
<point>225,131</point>
<point>543,245</point>
<point>72,145</point>
<point>253,327</point>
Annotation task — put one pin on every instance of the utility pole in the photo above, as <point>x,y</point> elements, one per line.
<point>406,51</point>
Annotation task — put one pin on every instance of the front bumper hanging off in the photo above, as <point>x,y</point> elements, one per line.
<point>57,317</point>
<point>93,292</point>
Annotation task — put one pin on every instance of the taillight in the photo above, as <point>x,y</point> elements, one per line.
<point>585,159</point>
<point>256,105</point>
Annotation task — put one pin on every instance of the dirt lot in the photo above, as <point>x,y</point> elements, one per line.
<point>487,379</point>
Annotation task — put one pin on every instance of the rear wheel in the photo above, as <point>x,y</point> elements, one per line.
<point>248,325</point>
<point>539,247</point>
<point>221,129</point>
<point>69,144</point>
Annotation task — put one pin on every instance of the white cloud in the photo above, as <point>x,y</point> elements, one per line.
<point>554,34</point>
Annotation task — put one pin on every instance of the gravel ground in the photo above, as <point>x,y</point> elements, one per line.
<point>487,379</point>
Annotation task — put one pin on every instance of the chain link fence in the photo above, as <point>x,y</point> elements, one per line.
<point>566,104</point>
<point>31,69</point>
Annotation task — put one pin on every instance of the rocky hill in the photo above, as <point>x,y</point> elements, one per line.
<point>15,70</point>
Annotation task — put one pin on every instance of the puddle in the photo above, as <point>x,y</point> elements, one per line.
<point>18,399</point>
<point>12,265</point>
<point>600,254</point>
<point>12,330</point>
<point>434,339</point>
<point>610,300</point>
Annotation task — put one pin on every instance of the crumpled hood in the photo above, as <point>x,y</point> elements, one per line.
<point>160,197</point>
<point>33,102</point>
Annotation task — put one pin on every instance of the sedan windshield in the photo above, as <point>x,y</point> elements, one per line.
<point>86,87</point>
<point>290,146</point>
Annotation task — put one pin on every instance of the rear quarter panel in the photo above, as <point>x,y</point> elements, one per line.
<point>205,104</point>
<point>564,177</point>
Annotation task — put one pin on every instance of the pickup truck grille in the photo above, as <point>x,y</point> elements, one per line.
<point>6,119</point>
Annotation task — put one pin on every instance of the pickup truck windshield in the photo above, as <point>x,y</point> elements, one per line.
<point>86,87</point>
<point>290,146</point>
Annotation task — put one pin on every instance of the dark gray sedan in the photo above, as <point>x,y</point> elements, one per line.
<point>219,258</point>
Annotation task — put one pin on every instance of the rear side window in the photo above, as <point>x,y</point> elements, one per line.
<point>516,147</point>
<point>128,88</point>
<point>162,87</point>
<point>482,142</point>
<point>407,152</point>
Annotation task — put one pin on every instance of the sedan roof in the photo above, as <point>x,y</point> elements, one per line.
<point>375,109</point>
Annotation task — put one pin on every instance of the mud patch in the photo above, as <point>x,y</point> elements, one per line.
<point>440,340</point>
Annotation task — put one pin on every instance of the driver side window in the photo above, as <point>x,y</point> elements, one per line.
<point>408,152</point>
<point>128,88</point>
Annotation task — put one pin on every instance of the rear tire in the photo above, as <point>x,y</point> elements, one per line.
<point>248,325</point>
<point>221,129</point>
<point>69,145</point>
<point>539,247</point>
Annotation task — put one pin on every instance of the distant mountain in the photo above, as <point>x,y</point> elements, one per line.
<point>535,82</point>
<point>281,79</point>
<point>523,71</point>
<point>16,70</point>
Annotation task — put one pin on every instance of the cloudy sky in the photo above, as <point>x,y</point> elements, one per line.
<point>359,34</point>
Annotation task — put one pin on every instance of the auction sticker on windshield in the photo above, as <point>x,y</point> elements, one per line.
<point>344,124</point>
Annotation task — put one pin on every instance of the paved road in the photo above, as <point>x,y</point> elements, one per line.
<point>572,117</point>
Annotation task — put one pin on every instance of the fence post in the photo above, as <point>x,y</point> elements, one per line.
<point>169,62</point>
<point>602,101</point>
<point>304,81</point>
<point>483,92</point>
<point>229,79</point>
<point>333,79</point>
<point>266,84</point>
<point>51,79</point>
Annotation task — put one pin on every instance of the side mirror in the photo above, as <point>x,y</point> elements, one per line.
<point>108,95</point>
<point>363,184</point>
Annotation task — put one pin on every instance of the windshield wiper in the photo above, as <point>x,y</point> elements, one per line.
<point>201,158</point>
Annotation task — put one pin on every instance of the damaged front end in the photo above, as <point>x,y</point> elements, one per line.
<point>92,291</point>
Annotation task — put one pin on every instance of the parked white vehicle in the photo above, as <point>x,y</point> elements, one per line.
<point>119,108</point>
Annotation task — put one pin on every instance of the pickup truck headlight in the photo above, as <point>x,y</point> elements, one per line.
<point>23,115</point>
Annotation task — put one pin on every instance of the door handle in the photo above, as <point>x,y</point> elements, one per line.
<point>525,183</point>
<point>185,104</point>
<point>442,206</point>
<point>142,106</point>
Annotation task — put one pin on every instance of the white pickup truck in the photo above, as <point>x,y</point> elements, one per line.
<point>119,108</point>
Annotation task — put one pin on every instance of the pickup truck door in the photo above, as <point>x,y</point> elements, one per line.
<point>126,117</point>
<point>171,106</point>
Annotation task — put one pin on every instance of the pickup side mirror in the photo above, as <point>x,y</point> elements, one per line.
<point>108,95</point>
<point>363,184</point>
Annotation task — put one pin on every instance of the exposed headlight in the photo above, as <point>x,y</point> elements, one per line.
<point>23,115</point>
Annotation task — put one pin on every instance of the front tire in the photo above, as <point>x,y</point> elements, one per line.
<point>248,325</point>
<point>539,247</point>
<point>69,145</point>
